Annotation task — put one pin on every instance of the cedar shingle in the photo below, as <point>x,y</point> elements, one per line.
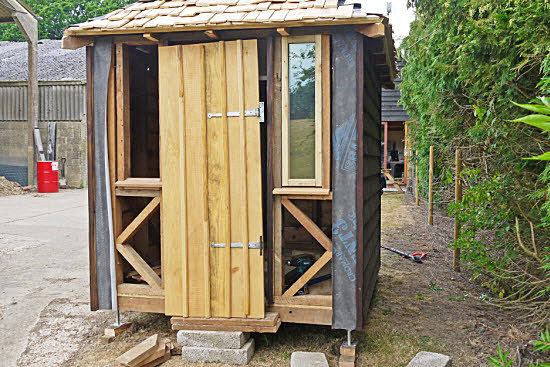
<point>162,13</point>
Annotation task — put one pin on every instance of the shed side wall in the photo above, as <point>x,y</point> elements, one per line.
<point>346,44</point>
<point>371,182</point>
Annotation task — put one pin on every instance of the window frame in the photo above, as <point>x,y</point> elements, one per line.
<point>319,154</point>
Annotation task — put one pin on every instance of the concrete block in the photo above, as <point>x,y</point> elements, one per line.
<point>212,339</point>
<point>308,359</point>
<point>428,359</point>
<point>216,355</point>
<point>346,361</point>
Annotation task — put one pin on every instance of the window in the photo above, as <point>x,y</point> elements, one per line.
<point>302,115</point>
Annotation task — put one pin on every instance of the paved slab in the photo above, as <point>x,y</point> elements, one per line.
<point>43,257</point>
<point>218,355</point>
<point>212,339</point>
<point>308,359</point>
<point>428,359</point>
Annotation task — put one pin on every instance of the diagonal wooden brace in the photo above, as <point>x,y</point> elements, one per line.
<point>308,224</point>
<point>140,265</point>
<point>310,273</point>
<point>128,251</point>
<point>140,220</point>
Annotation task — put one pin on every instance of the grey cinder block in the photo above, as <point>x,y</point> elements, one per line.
<point>428,359</point>
<point>212,339</point>
<point>308,359</point>
<point>216,355</point>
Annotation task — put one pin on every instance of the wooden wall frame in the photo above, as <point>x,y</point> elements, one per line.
<point>320,154</point>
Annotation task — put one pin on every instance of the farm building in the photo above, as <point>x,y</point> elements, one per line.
<point>61,106</point>
<point>234,160</point>
<point>395,123</point>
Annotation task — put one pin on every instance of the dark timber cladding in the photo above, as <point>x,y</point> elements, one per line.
<point>370,178</point>
<point>102,64</point>
<point>347,46</point>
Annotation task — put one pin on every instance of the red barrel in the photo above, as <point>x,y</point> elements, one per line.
<point>47,176</point>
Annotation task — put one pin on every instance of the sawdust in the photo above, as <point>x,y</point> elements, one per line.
<point>9,188</point>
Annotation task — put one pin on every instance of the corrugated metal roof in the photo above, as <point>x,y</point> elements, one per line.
<point>54,63</point>
<point>392,110</point>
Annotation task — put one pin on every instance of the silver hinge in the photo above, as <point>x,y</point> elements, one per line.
<point>236,245</point>
<point>247,113</point>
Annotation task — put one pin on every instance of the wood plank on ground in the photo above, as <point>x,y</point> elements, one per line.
<point>140,352</point>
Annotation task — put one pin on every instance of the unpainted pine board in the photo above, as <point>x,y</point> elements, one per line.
<point>277,180</point>
<point>318,112</point>
<point>172,174</point>
<point>139,221</point>
<point>227,174</point>
<point>244,169</point>
<point>141,304</point>
<point>140,352</point>
<point>195,155</point>
<point>236,174</point>
<point>111,145</point>
<point>253,177</point>
<point>301,191</point>
<point>326,91</point>
<point>308,224</point>
<point>309,274</point>
<point>217,184</point>
<point>123,111</point>
<point>239,328</point>
<point>285,113</point>
<point>204,177</point>
<point>312,315</point>
<point>269,319</point>
<point>305,300</point>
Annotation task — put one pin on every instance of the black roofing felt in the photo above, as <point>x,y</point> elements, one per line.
<point>392,110</point>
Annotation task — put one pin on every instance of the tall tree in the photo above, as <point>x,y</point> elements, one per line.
<point>58,14</point>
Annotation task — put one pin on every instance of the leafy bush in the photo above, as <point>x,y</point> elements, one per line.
<point>466,60</point>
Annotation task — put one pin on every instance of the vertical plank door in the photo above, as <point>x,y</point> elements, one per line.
<point>211,179</point>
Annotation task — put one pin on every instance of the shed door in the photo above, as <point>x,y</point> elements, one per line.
<point>211,180</point>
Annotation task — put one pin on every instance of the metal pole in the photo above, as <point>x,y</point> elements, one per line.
<point>349,338</point>
<point>430,192</point>
<point>458,197</point>
<point>416,188</point>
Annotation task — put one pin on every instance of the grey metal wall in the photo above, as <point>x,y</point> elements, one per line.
<point>58,101</point>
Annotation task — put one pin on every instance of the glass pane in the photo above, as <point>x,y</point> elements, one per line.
<point>301,85</point>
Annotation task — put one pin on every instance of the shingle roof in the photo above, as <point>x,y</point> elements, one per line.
<point>163,15</point>
<point>392,110</point>
<point>54,63</point>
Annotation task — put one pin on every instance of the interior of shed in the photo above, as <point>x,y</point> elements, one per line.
<point>135,141</point>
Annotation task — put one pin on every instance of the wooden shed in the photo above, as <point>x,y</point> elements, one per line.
<point>234,160</point>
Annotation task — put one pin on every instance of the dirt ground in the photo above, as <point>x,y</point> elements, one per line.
<point>416,307</point>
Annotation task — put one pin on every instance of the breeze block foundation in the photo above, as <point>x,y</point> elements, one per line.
<point>230,347</point>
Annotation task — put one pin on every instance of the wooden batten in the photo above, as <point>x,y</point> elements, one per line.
<point>73,43</point>
<point>372,30</point>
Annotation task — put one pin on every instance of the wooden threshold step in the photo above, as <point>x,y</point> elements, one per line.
<point>269,324</point>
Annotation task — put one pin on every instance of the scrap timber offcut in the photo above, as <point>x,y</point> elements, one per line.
<point>234,160</point>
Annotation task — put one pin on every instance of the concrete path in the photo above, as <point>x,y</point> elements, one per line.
<point>43,257</point>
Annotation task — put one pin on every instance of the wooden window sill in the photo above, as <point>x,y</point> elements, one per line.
<point>139,183</point>
<point>301,191</point>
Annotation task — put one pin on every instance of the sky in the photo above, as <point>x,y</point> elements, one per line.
<point>400,16</point>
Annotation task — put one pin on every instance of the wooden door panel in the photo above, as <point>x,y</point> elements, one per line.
<point>215,178</point>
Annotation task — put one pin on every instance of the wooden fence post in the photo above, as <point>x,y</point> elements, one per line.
<point>416,190</point>
<point>430,189</point>
<point>458,197</point>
